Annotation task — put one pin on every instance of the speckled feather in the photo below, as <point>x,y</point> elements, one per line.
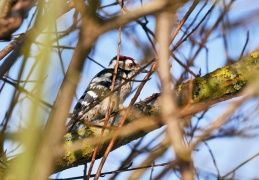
<point>101,86</point>
<point>93,103</point>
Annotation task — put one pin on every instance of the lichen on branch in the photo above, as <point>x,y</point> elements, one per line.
<point>208,89</point>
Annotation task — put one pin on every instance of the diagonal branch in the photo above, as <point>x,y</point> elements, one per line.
<point>193,96</point>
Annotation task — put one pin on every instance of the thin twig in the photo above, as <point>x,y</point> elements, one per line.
<point>20,88</point>
<point>213,158</point>
<point>240,165</point>
<point>121,170</point>
<point>245,45</point>
<point>112,142</point>
<point>152,170</point>
<point>179,26</point>
<point>109,108</point>
<point>195,28</point>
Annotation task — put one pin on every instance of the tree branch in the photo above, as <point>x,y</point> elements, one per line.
<point>193,96</point>
<point>12,15</point>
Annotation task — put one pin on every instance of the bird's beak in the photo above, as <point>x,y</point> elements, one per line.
<point>144,71</point>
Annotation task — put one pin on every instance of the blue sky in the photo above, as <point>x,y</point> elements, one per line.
<point>227,150</point>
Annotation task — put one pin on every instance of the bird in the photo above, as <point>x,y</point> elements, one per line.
<point>93,104</point>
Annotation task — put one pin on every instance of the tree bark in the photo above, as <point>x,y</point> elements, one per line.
<point>193,96</point>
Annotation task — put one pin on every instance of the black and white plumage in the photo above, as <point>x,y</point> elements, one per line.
<point>93,103</point>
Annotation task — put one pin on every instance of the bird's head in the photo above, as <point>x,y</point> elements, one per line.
<point>125,63</point>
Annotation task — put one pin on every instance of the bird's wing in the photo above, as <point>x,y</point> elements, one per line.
<point>98,89</point>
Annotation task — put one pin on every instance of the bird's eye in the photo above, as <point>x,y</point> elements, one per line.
<point>130,65</point>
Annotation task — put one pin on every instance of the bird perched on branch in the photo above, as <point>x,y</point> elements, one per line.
<point>94,102</point>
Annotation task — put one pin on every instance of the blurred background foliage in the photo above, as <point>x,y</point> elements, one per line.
<point>40,40</point>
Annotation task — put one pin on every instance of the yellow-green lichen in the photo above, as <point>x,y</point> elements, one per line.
<point>221,72</point>
<point>255,55</point>
<point>238,85</point>
<point>179,88</point>
<point>68,137</point>
<point>220,82</point>
<point>81,131</point>
<point>223,81</point>
<point>86,149</point>
<point>69,156</point>
<point>153,111</point>
<point>199,88</point>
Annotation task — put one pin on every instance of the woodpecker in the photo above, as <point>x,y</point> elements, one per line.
<point>93,103</point>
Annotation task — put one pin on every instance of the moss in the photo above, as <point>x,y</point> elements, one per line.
<point>255,55</point>
<point>216,84</point>
<point>223,81</point>
<point>238,85</point>
<point>69,156</point>
<point>86,150</point>
<point>179,88</point>
<point>153,111</point>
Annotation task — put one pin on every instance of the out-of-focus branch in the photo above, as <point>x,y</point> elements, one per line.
<point>55,126</point>
<point>169,108</point>
<point>21,89</point>
<point>12,15</point>
<point>193,96</point>
<point>104,26</point>
<point>9,47</point>
<point>248,92</point>
<point>2,5</point>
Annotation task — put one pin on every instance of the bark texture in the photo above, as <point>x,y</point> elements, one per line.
<point>193,96</point>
